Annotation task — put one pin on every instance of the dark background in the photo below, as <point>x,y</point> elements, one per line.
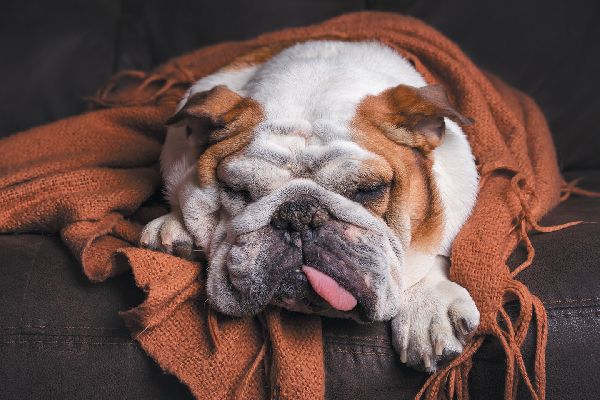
<point>56,52</point>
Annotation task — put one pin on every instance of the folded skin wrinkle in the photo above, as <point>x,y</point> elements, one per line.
<point>273,139</point>
<point>322,180</point>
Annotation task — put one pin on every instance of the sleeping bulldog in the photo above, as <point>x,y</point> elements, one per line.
<point>329,179</point>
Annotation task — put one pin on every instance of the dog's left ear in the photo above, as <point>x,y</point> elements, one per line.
<point>415,116</point>
<point>213,115</point>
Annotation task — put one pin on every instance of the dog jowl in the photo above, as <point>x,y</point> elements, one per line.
<point>330,179</point>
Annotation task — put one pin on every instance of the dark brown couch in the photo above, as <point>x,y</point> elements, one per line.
<point>60,336</point>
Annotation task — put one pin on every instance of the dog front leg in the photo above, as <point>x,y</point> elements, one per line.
<point>436,319</point>
<point>168,234</point>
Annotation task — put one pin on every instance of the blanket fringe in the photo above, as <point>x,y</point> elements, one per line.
<point>147,87</point>
<point>451,382</point>
<point>454,376</point>
<point>242,385</point>
<point>213,328</point>
<point>262,356</point>
<point>570,188</point>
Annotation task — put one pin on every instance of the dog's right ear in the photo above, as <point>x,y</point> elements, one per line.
<point>213,115</point>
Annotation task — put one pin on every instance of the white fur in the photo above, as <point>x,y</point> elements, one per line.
<point>309,94</point>
<point>316,87</point>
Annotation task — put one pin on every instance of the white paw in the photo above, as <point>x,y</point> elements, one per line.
<point>168,234</point>
<point>434,324</point>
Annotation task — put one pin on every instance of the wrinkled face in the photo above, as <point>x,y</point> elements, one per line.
<point>314,218</point>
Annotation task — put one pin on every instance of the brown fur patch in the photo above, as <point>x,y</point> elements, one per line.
<point>412,116</point>
<point>221,123</point>
<point>212,105</point>
<point>232,132</point>
<point>384,124</point>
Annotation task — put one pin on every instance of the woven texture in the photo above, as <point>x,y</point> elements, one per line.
<point>88,177</point>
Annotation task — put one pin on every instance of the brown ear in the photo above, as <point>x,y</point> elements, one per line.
<point>415,116</point>
<point>436,96</point>
<point>208,115</point>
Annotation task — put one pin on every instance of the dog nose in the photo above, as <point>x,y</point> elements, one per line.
<point>299,215</point>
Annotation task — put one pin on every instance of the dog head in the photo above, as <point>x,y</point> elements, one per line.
<point>313,213</point>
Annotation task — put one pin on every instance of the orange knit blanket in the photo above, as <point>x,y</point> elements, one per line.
<point>89,177</point>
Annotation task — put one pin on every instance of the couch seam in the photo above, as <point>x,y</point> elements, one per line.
<point>572,300</point>
<point>114,334</point>
<point>348,337</point>
<point>99,328</point>
<point>124,343</point>
<point>590,314</point>
<point>359,351</point>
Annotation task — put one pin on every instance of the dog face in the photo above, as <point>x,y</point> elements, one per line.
<point>314,217</point>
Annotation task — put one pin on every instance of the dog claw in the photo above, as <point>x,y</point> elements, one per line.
<point>429,333</point>
<point>403,356</point>
<point>439,347</point>
<point>464,330</point>
<point>470,327</point>
<point>426,362</point>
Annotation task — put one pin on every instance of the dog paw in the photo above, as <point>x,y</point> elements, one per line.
<point>434,324</point>
<point>168,234</point>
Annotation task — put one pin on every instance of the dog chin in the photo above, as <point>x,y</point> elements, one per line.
<point>336,269</point>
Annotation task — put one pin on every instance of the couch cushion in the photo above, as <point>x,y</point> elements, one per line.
<point>60,335</point>
<point>547,48</point>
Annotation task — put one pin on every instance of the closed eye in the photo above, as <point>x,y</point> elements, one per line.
<point>238,193</point>
<point>367,194</point>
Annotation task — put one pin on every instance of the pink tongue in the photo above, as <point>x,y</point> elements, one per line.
<point>337,297</point>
